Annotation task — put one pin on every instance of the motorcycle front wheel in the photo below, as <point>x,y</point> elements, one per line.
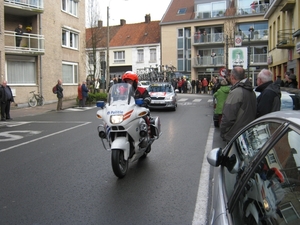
<point>119,164</point>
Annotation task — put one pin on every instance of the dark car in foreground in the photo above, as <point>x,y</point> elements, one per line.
<point>257,174</point>
<point>163,96</point>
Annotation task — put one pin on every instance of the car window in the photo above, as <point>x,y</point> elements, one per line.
<point>243,149</point>
<point>272,192</point>
<point>159,88</point>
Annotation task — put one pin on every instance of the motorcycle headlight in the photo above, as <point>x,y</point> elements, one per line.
<point>115,119</point>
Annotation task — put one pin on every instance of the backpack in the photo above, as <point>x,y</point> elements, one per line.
<point>54,89</point>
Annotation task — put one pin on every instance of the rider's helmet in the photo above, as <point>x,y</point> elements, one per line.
<point>131,77</point>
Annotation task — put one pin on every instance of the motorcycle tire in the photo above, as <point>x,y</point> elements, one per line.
<point>119,164</point>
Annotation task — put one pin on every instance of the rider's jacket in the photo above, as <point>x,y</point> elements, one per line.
<point>142,93</point>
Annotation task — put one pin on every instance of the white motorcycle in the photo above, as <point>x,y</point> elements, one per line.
<point>127,129</point>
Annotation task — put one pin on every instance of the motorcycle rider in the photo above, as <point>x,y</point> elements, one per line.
<point>140,92</point>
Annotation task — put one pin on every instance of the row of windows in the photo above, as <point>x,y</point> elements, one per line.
<point>23,71</point>
<point>152,55</point>
<point>119,56</point>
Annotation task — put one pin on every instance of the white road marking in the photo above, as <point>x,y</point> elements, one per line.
<point>183,99</point>
<point>43,137</point>
<point>185,103</point>
<point>209,100</point>
<point>79,109</point>
<point>10,136</point>
<point>197,100</point>
<point>13,124</point>
<point>203,189</point>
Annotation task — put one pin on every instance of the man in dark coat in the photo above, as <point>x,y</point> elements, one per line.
<point>59,94</point>
<point>292,81</point>
<point>270,95</point>
<point>240,105</point>
<point>193,86</point>
<point>19,33</point>
<point>6,97</point>
<point>85,92</point>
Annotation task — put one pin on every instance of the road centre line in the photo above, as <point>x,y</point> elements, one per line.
<point>200,212</point>
<point>43,137</point>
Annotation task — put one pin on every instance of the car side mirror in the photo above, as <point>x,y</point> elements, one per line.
<point>214,157</point>
<point>176,90</point>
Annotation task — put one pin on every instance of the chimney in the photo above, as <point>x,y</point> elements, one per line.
<point>122,22</point>
<point>147,18</point>
<point>100,23</point>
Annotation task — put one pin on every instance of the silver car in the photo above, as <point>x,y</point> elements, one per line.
<point>163,96</point>
<point>257,174</point>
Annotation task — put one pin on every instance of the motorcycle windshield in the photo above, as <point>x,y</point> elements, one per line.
<point>121,92</point>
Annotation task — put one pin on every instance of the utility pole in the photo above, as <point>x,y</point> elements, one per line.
<point>249,49</point>
<point>107,53</point>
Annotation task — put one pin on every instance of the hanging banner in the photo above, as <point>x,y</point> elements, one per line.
<point>238,57</point>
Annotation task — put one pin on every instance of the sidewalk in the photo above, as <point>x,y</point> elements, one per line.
<point>16,111</point>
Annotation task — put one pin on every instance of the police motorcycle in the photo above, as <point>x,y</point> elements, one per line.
<point>125,129</point>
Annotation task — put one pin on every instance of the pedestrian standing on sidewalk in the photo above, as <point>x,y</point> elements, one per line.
<point>240,105</point>
<point>85,92</point>
<point>79,93</point>
<point>59,94</point>
<point>6,97</point>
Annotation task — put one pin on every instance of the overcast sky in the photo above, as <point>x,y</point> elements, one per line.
<point>133,11</point>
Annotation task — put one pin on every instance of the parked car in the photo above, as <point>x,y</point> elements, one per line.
<point>163,96</point>
<point>257,174</point>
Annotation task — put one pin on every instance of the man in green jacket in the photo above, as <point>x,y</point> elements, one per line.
<point>220,97</point>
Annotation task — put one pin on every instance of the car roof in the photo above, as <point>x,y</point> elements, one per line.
<point>160,84</point>
<point>287,115</point>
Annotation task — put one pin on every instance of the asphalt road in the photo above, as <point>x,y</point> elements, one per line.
<point>54,170</point>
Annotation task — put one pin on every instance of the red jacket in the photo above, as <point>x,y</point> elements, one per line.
<point>79,92</point>
<point>204,83</point>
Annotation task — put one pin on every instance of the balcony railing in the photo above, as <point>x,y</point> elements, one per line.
<point>285,39</point>
<point>261,8</point>
<point>255,35</point>
<point>34,4</point>
<point>255,59</point>
<point>212,38</point>
<point>258,59</point>
<point>30,43</point>
<point>208,61</point>
<point>258,9</point>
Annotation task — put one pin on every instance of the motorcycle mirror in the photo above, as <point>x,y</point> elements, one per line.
<point>100,104</point>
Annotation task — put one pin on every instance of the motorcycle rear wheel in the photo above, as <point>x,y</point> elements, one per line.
<point>119,164</point>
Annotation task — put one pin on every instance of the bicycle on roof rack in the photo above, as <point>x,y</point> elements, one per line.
<point>36,99</point>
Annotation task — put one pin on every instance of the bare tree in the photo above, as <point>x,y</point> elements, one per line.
<point>94,36</point>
